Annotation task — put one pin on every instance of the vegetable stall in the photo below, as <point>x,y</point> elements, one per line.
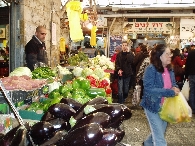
<point>63,106</point>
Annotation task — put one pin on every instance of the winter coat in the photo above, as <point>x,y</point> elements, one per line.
<point>124,62</point>
<point>190,61</point>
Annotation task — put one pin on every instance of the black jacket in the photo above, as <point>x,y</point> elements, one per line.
<point>35,52</point>
<point>124,62</point>
<point>138,59</point>
<point>190,61</point>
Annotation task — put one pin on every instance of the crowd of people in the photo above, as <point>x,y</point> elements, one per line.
<point>161,72</point>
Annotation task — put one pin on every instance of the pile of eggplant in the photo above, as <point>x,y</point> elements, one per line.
<point>69,123</point>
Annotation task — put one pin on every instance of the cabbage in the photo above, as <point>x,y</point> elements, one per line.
<point>86,72</point>
<point>99,72</point>
<point>21,71</point>
<point>77,71</point>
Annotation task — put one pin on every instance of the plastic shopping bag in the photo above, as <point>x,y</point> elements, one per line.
<point>185,90</point>
<point>176,110</point>
<point>136,95</point>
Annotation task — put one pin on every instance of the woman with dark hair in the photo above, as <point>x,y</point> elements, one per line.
<point>159,82</point>
<point>185,53</point>
<point>178,65</point>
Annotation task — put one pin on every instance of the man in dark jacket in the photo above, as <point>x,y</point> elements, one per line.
<point>123,64</point>
<point>190,73</point>
<point>35,49</point>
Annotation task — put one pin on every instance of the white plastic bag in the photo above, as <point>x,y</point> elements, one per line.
<point>136,95</point>
<point>185,90</point>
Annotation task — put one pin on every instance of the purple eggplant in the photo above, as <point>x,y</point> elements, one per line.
<point>60,124</point>
<point>71,102</point>
<point>117,122</point>
<point>61,110</point>
<point>20,137</point>
<point>1,136</point>
<point>57,137</point>
<point>111,137</point>
<point>100,118</point>
<point>7,139</point>
<point>119,133</point>
<point>126,112</point>
<point>95,101</point>
<point>87,135</point>
<point>41,131</point>
<point>114,110</point>
<point>47,116</point>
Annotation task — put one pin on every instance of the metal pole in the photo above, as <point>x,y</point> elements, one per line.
<point>12,34</point>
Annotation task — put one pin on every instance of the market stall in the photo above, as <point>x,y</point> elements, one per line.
<point>63,105</point>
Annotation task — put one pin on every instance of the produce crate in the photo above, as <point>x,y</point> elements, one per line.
<point>20,97</point>
<point>30,115</point>
<point>67,77</point>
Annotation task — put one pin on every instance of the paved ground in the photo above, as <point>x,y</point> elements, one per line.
<point>137,129</point>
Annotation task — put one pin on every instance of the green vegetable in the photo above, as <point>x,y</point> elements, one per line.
<point>94,92</point>
<point>81,83</point>
<point>67,95</point>
<point>88,109</point>
<point>21,71</point>
<point>78,93</point>
<point>75,84</point>
<point>45,89</point>
<point>63,89</point>
<point>43,73</point>
<point>54,94</point>
<point>72,121</point>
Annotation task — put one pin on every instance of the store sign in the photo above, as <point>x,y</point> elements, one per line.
<point>148,27</point>
<point>187,29</point>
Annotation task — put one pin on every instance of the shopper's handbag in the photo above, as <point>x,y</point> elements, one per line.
<point>178,70</point>
<point>185,90</point>
<point>136,95</point>
<point>176,110</point>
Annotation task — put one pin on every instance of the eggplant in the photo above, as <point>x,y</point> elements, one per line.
<point>47,116</point>
<point>95,101</point>
<point>41,131</point>
<point>111,137</point>
<point>126,112</point>
<point>119,133</point>
<point>20,138</point>
<point>58,135</point>
<point>114,110</point>
<point>1,136</point>
<point>100,118</point>
<point>61,110</point>
<point>7,139</point>
<point>87,135</point>
<point>71,102</point>
<point>59,124</point>
<point>117,122</point>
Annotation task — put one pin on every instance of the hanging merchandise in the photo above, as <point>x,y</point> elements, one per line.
<point>93,36</point>
<point>84,17</point>
<point>105,42</point>
<point>62,44</point>
<point>74,10</point>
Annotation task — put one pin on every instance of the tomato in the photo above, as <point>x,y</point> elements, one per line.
<point>108,90</point>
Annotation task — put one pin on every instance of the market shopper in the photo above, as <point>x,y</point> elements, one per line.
<point>159,82</point>
<point>35,49</point>
<point>190,74</point>
<point>123,68</point>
